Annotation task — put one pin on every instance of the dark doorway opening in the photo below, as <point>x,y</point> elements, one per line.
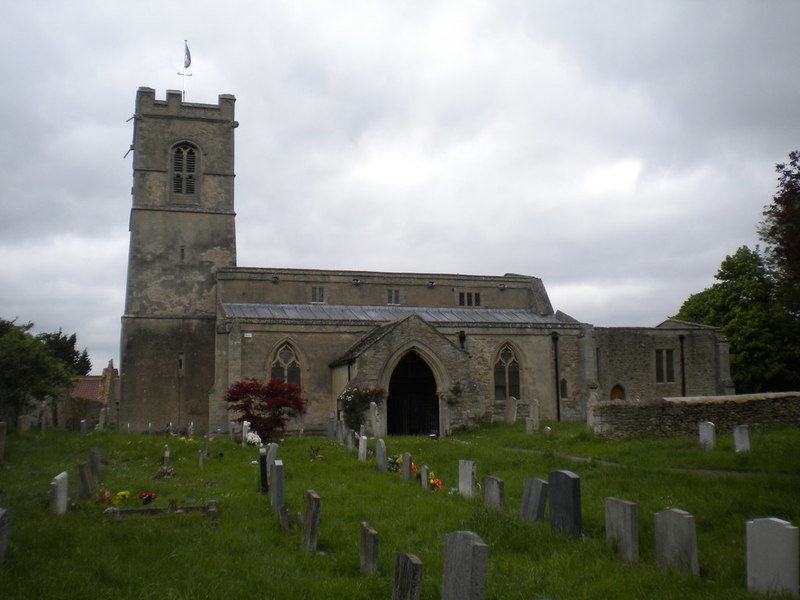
<point>413,406</point>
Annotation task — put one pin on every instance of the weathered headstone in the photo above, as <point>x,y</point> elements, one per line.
<point>425,477</point>
<point>406,467</point>
<point>101,419</point>
<point>676,540</point>
<point>272,454</point>
<point>707,434</point>
<point>59,491</point>
<point>200,457</point>
<point>533,420</point>
<point>24,423</point>
<point>464,569</point>
<point>362,448</point>
<point>263,480</point>
<point>276,485</point>
<point>373,418</point>
<point>351,439</point>
<point>95,462</point>
<point>84,427</point>
<point>85,481</point>
<point>407,577</point>
<point>564,489</point>
<point>368,549</point>
<point>510,411</point>
<point>165,459</point>
<point>622,528</point>
<point>311,521</point>
<point>5,528</point>
<point>466,478</point>
<point>772,550</point>
<point>534,499</point>
<point>741,438</point>
<point>380,454</point>
<point>341,432</point>
<point>494,492</point>
<point>3,434</point>
<point>245,431</point>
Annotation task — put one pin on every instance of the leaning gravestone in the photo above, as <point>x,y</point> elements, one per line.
<point>311,521</point>
<point>494,492</point>
<point>466,478</point>
<point>565,502</point>
<point>741,438</point>
<point>368,549</point>
<point>406,468</point>
<point>380,454</point>
<point>676,540</point>
<point>276,485</point>
<point>707,434</point>
<point>534,500</point>
<point>622,528</point>
<point>464,569</point>
<point>5,526</point>
<point>772,550</point>
<point>407,577</point>
<point>59,490</point>
<point>3,433</point>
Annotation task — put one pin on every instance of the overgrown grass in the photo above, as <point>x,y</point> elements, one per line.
<point>243,551</point>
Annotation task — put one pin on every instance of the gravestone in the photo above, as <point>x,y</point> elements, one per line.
<point>494,492</point>
<point>772,550</point>
<point>24,423</point>
<point>368,549</point>
<point>101,420</point>
<point>564,488</point>
<point>341,431</point>
<point>5,528</point>
<point>311,521</point>
<point>283,517</point>
<point>245,431</point>
<point>707,434</point>
<point>85,481</point>
<point>331,429</point>
<point>373,418</point>
<point>84,427</point>
<point>59,490</point>
<point>622,528</point>
<point>407,577</point>
<point>741,438</point>
<point>534,500</point>
<point>149,428</point>
<point>190,430</point>
<point>165,460</point>
<point>200,456</point>
<point>263,480</point>
<point>466,478</point>
<point>425,477</point>
<point>96,462</point>
<point>3,434</point>
<point>676,540</point>
<point>533,421</point>
<point>380,455</point>
<point>510,411</point>
<point>351,439</point>
<point>272,454</point>
<point>406,467</point>
<point>362,448</point>
<point>276,485</point>
<point>464,568</point>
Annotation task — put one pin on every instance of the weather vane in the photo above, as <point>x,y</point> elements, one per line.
<point>187,62</point>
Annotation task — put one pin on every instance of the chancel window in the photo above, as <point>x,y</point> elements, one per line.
<point>665,365</point>
<point>286,365</point>
<point>506,375</point>
<point>184,170</point>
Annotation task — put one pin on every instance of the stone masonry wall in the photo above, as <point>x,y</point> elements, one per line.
<point>680,416</point>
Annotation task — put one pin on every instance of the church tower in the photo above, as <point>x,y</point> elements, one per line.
<point>181,231</point>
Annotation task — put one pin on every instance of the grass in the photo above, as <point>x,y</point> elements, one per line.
<point>244,552</point>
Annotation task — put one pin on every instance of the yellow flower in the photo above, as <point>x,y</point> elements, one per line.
<point>121,498</point>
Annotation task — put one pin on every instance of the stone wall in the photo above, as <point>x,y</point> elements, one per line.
<point>680,416</point>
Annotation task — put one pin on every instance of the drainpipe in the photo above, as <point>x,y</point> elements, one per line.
<point>682,338</point>
<point>554,338</point>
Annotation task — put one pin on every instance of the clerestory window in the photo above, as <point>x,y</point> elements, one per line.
<point>506,375</point>
<point>286,365</point>
<point>184,169</point>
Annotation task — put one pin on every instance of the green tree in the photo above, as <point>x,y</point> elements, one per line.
<point>63,347</point>
<point>28,371</point>
<point>743,304</point>
<point>780,230</point>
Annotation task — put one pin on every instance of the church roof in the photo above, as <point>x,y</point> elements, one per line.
<point>385,314</point>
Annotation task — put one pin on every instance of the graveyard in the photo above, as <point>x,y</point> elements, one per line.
<point>157,516</point>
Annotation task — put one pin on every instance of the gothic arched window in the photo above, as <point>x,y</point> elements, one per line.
<point>184,169</point>
<point>506,375</point>
<point>286,365</point>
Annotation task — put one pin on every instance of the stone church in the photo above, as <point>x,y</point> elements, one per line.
<point>448,349</point>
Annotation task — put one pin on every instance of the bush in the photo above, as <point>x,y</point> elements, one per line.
<point>266,406</point>
<point>354,401</point>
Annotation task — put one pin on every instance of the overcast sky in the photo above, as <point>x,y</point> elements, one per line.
<point>617,150</point>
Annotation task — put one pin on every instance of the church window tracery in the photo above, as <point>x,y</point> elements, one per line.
<point>184,169</point>
<point>506,375</point>
<point>286,365</point>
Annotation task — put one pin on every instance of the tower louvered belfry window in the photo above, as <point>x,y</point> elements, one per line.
<point>184,169</point>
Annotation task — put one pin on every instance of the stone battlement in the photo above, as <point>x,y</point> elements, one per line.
<point>174,106</point>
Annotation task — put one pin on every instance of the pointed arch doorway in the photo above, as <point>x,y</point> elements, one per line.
<point>412,407</point>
